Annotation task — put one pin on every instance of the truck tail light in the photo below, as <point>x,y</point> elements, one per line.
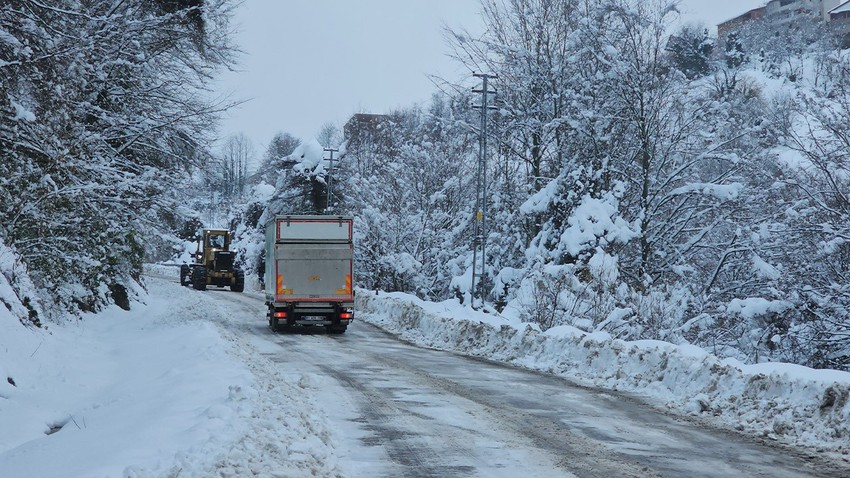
<point>280,315</point>
<point>345,315</point>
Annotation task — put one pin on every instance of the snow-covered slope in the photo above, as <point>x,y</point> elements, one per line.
<point>161,390</point>
<point>785,402</point>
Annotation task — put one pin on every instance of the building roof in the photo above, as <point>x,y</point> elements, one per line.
<point>844,7</point>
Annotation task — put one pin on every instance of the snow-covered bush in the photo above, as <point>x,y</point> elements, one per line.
<point>19,298</point>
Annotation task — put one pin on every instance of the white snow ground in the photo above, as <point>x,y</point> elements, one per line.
<point>161,390</point>
<point>168,389</point>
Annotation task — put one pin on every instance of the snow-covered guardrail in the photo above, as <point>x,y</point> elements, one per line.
<point>789,403</point>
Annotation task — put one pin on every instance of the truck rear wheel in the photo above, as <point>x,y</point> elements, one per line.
<point>199,278</point>
<point>274,322</point>
<point>337,329</point>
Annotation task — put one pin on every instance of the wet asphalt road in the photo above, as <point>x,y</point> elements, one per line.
<point>405,411</point>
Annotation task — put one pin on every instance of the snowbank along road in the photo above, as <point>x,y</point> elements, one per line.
<point>394,409</point>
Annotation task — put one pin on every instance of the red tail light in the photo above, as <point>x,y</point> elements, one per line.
<point>280,315</point>
<point>345,315</point>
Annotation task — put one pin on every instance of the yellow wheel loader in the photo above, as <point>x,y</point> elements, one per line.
<point>214,264</point>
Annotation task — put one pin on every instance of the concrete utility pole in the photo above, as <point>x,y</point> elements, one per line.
<point>479,277</point>
<point>328,206</point>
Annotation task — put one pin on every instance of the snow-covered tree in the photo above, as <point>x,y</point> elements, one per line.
<point>408,182</point>
<point>232,167</point>
<point>104,109</point>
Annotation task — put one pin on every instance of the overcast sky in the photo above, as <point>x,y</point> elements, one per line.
<point>310,62</point>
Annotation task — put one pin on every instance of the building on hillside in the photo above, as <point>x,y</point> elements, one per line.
<point>829,5</point>
<point>790,9</point>
<point>841,13</point>
<point>729,25</point>
<point>839,18</point>
<point>783,11</point>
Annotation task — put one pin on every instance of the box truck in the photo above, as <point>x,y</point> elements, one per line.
<point>309,272</point>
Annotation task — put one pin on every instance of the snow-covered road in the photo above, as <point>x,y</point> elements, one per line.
<point>392,416</point>
<point>195,384</point>
<point>400,410</point>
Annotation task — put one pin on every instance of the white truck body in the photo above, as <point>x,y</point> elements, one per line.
<point>309,271</point>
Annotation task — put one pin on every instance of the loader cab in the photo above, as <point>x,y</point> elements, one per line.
<point>217,239</point>
<point>212,241</point>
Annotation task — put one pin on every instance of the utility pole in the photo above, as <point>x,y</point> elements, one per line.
<point>328,206</point>
<point>479,277</point>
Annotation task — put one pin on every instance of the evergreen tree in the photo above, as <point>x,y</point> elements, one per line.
<point>691,50</point>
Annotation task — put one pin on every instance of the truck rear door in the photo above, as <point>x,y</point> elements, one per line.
<point>314,271</point>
